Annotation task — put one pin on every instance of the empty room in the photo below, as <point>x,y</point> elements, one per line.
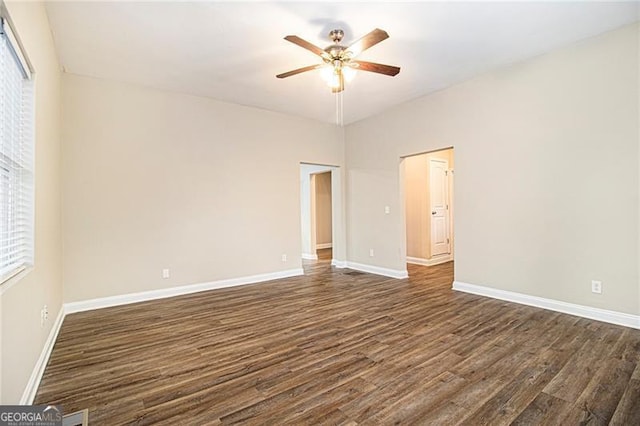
<point>319,213</point>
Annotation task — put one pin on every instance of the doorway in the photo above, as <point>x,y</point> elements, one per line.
<point>320,201</point>
<point>428,189</point>
<point>321,222</point>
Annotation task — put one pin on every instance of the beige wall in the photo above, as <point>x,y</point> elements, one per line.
<point>155,180</point>
<point>323,208</point>
<point>546,195</point>
<point>417,201</point>
<point>22,336</point>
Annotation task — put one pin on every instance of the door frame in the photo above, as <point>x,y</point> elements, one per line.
<point>307,210</point>
<point>403,212</point>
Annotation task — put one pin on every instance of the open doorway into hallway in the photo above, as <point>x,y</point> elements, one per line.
<point>428,190</point>
<point>320,193</point>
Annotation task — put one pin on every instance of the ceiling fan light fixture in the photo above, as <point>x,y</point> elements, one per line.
<point>331,74</point>
<point>349,73</point>
<point>327,72</point>
<point>334,80</point>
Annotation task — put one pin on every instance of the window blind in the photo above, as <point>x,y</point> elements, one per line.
<point>16,159</point>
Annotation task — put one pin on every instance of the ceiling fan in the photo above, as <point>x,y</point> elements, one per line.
<point>339,61</point>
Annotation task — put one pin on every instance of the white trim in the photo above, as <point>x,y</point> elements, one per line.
<point>613,317</point>
<point>105,302</point>
<point>430,262</point>
<point>339,263</point>
<point>30,390</point>
<point>9,282</point>
<point>324,246</point>
<point>15,44</point>
<point>307,256</point>
<point>392,273</point>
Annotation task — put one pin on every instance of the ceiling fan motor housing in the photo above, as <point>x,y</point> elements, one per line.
<point>336,35</point>
<point>336,51</point>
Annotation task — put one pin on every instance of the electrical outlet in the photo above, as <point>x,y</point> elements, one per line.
<point>596,287</point>
<point>44,315</point>
<point>387,210</point>
<point>370,252</point>
<point>166,273</point>
<point>284,257</point>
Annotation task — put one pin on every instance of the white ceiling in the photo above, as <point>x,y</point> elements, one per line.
<point>232,51</point>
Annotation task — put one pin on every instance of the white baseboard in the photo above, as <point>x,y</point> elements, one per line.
<point>613,317</point>
<point>392,273</point>
<point>339,263</point>
<point>30,390</point>
<point>105,302</point>
<point>324,246</point>
<point>429,262</point>
<point>307,256</point>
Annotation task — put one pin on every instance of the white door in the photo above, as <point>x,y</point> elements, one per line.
<point>439,196</point>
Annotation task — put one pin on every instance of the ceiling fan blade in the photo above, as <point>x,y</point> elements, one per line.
<point>371,39</point>
<point>379,68</point>
<point>298,71</point>
<point>305,44</point>
<point>340,87</point>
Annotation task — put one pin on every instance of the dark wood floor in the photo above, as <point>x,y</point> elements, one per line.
<point>343,347</point>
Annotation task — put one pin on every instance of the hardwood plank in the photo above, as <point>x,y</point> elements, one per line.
<point>419,401</point>
<point>544,409</point>
<point>539,370</point>
<point>327,407</point>
<point>396,385</point>
<point>570,382</point>
<point>299,390</point>
<point>602,394</point>
<point>628,410</point>
<point>342,347</point>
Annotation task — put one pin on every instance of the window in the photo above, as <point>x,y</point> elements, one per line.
<point>16,158</point>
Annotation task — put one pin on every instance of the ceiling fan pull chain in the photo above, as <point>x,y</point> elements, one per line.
<point>339,109</point>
